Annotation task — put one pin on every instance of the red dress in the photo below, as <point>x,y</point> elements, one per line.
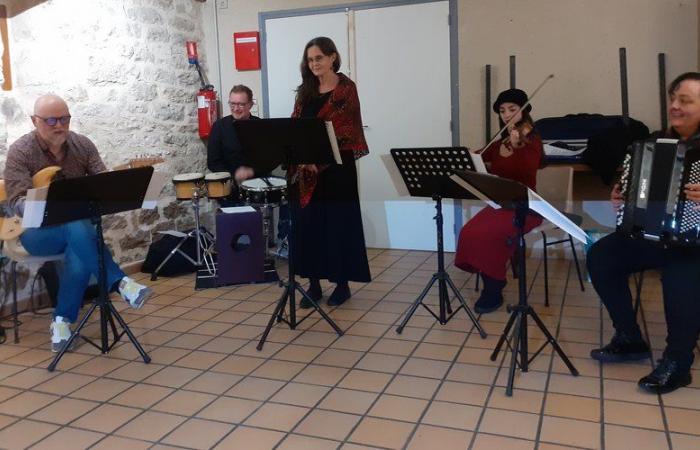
<point>489,240</point>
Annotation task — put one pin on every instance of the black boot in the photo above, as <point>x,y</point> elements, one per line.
<point>491,297</point>
<point>314,291</point>
<point>623,347</point>
<point>668,376</point>
<point>340,294</point>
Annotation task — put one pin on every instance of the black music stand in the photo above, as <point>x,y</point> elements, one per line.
<point>92,197</point>
<point>513,195</point>
<point>425,171</point>
<point>267,143</point>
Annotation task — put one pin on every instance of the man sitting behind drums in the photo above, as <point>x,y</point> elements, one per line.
<point>52,144</point>
<point>224,151</point>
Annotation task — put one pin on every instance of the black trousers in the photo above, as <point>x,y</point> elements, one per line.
<point>611,261</point>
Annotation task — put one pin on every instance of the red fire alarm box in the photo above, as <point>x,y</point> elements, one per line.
<point>246,48</point>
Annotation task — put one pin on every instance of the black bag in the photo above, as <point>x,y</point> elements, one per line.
<point>606,150</point>
<point>177,264</point>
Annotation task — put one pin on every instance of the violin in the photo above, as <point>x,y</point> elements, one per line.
<point>519,135</point>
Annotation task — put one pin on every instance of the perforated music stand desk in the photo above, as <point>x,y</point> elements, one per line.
<point>513,195</point>
<point>92,197</point>
<point>425,172</point>
<point>267,143</point>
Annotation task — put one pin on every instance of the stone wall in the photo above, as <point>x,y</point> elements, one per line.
<point>122,68</point>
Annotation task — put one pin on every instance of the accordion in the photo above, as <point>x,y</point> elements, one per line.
<point>653,178</point>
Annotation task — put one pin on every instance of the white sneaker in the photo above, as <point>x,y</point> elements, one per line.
<point>133,293</point>
<point>60,333</point>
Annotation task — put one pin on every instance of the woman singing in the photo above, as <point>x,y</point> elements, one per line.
<point>488,241</point>
<point>328,239</point>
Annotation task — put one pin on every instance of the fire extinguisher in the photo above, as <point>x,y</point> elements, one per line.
<point>207,109</point>
<point>207,103</point>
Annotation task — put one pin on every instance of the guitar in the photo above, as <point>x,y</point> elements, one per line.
<point>11,227</point>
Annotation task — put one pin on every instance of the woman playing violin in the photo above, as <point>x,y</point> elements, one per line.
<point>488,241</point>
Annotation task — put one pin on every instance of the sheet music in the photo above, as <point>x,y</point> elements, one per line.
<point>155,186</point>
<point>237,209</point>
<point>34,207</point>
<point>334,141</point>
<point>549,212</point>
<point>478,161</point>
<point>477,193</point>
<point>395,176</point>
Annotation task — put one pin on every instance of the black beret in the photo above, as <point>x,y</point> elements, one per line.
<point>517,96</point>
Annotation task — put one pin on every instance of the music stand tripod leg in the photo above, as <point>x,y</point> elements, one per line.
<point>416,304</point>
<point>466,307</point>
<point>72,337</point>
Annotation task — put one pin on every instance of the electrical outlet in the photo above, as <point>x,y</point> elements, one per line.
<point>222,4</point>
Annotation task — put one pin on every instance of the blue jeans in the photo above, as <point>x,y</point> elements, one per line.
<point>78,240</point>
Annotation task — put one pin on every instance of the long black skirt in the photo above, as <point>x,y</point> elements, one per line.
<point>327,241</point>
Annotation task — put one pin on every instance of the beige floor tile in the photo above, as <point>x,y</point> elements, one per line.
<point>425,368</point>
<point>8,392</point>
<point>683,420</point>
<point>141,396</point>
<point>173,377</point>
<point>344,400</point>
<point>489,441</point>
<point>245,438</point>
<point>255,388</point>
<point>64,411</point>
<point>683,398</point>
<point>524,400</point>
<point>381,432</point>
<point>572,407</point>
<point>231,410</point>
<point>398,408</point>
<point>323,375</point>
<point>69,439</point>
<point>452,415</point>
<point>135,371</point>
<point>238,365</point>
<point>213,383</point>
<point>167,355</point>
<point>197,433</point>
<point>467,393</point>
<point>184,403</point>
<point>627,391</point>
<point>381,363</point>
<point>276,416</point>
<point>278,370</point>
<point>363,380</point>
<point>106,418</point>
<point>510,423</point>
<point>300,394</point>
<point>26,403</point>
<point>298,353</point>
<point>150,426</point>
<point>394,347</point>
<point>685,441</point>
<point>617,437</point>
<point>99,366</point>
<point>472,373</point>
<point>28,378</point>
<point>437,351</point>
<point>64,383</point>
<point>199,360</point>
<point>356,343</point>
<point>413,386</point>
<point>327,424</point>
<point>427,436</point>
<point>570,432</point>
<point>102,389</point>
<point>24,433</point>
<point>295,442</point>
<point>224,345</point>
<point>338,358</point>
<point>112,442</point>
<point>633,414</point>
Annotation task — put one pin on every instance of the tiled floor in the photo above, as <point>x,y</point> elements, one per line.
<point>432,387</point>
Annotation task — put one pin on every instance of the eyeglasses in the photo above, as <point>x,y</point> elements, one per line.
<point>52,121</point>
<point>239,105</point>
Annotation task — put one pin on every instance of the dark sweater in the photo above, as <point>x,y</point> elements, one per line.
<point>224,151</point>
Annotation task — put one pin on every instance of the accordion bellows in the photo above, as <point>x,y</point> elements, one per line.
<point>653,176</point>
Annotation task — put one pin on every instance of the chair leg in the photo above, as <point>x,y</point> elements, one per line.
<point>578,267</point>
<point>546,270</point>
<point>639,280</point>
<point>478,277</point>
<point>15,319</point>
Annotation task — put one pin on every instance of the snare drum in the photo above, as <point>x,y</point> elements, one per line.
<point>186,184</point>
<point>218,184</point>
<point>264,191</point>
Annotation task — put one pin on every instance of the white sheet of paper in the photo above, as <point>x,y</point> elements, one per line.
<point>478,163</point>
<point>34,207</point>
<point>334,141</point>
<point>237,209</point>
<point>549,212</point>
<point>395,175</point>
<point>155,186</point>
<point>457,179</point>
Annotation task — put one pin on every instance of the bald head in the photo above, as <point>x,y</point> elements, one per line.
<point>52,120</point>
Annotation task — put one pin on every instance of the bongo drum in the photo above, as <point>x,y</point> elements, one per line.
<point>186,184</point>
